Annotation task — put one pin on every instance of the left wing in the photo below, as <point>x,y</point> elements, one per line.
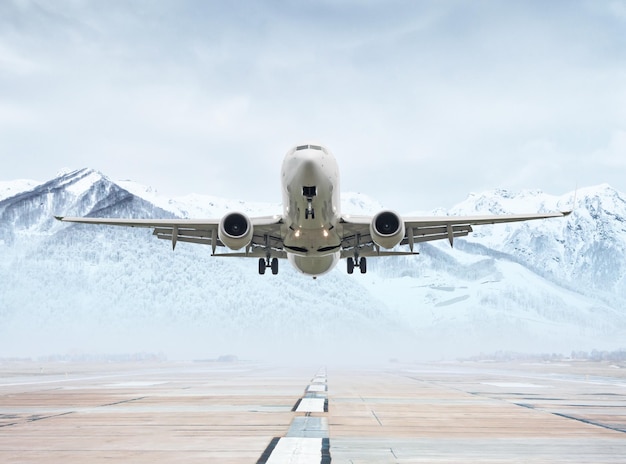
<point>265,232</point>
<point>357,230</point>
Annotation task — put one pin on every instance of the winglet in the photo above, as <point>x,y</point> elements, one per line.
<point>59,218</point>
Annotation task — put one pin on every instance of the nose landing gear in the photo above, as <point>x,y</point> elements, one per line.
<point>309,212</point>
<point>309,192</point>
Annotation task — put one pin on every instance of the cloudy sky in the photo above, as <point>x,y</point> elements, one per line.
<point>421,102</point>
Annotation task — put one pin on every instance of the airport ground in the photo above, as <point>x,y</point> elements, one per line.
<point>247,412</point>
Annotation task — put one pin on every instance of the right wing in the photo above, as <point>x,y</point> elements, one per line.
<point>266,232</point>
<point>423,229</point>
<point>358,237</point>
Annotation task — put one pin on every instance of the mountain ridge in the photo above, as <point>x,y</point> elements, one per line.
<point>543,284</point>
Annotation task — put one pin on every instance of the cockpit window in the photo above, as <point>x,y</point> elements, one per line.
<point>312,147</point>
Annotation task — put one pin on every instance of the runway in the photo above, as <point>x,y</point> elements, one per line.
<point>572,412</point>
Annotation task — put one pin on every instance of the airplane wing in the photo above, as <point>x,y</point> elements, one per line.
<point>357,232</point>
<point>266,232</point>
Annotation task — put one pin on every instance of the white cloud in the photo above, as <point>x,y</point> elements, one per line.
<point>614,154</point>
<point>446,96</point>
<point>12,62</point>
<point>13,115</point>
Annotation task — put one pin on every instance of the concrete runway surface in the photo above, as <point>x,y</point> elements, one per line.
<point>572,412</point>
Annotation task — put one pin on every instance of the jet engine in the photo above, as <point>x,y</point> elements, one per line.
<point>387,229</point>
<point>235,231</point>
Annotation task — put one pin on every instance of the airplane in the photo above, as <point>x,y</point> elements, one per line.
<point>312,233</point>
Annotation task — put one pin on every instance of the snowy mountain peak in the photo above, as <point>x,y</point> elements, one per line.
<point>65,171</point>
<point>78,181</point>
<point>502,201</point>
<point>359,203</point>
<point>73,193</point>
<point>602,197</point>
<point>531,280</point>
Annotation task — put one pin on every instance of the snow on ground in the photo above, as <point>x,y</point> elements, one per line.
<point>498,308</point>
<point>492,291</point>
<point>14,187</point>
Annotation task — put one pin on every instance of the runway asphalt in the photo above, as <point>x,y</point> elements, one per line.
<point>247,412</point>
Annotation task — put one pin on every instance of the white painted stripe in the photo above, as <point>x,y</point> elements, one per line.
<point>134,384</point>
<point>311,405</point>
<point>512,384</point>
<point>319,380</point>
<point>295,450</point>
<point>316,388</point>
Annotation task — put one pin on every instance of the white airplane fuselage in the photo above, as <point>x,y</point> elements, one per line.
<point>311,202</point>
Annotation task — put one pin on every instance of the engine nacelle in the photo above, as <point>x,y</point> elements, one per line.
<point>235,231</point>
<point>387,229</point>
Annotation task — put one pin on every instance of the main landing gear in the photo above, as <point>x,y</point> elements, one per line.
<point>361,263</point>
<point>267,262</point>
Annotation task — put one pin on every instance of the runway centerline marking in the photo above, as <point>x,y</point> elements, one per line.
<point>306,441</point>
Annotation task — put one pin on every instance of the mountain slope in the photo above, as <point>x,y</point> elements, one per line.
<point>541,286</point>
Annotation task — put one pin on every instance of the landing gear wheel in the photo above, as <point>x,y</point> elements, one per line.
<point>363,265</point>
<point>275,266</point>
<point>261,266</point>
<point>350,262</point>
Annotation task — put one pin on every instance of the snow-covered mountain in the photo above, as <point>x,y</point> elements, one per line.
<point>12,188</point>
<point>553,285</point>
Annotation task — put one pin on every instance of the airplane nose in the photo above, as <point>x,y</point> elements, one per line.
<point>308,169</point>
<point>304,167</point>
